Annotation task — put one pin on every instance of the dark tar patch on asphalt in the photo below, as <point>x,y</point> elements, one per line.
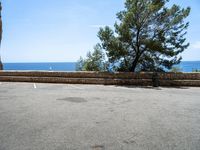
<point>73,99</point>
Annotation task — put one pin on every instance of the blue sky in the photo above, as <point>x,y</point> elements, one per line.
<point>64,30</point>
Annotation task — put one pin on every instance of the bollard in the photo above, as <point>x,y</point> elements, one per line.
<point>155,79</point>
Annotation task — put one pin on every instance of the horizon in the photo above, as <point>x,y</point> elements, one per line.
<point>74,62</point>
<point>47,31</point>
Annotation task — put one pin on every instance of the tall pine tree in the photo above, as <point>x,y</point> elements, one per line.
<point>148,36</point>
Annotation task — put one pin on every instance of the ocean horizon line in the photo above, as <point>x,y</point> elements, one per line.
<point>37,62</point>
<point>76,62</point>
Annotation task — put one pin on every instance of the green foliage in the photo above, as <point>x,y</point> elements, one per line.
<point>195,70</point>
<point>176,69</point>
<point>80,64</point>
<point>94,61</point>
<point>148,36</point>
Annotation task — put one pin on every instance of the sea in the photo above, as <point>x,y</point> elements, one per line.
<point>185,66</point>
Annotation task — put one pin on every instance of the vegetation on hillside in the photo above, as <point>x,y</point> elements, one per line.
<point>196,70</point>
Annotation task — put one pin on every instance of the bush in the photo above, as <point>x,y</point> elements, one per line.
<point>176,69</point>
<point>196,70</point>
<point>94,61</point>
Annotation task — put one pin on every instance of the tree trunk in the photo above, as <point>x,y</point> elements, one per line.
<point>1,64</point>
<point>134,64</point>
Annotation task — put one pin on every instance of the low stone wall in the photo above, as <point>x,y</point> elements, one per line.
<point>139,79</point>
<point>107,75</point>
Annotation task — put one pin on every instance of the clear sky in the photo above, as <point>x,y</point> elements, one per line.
<point>64,30</point>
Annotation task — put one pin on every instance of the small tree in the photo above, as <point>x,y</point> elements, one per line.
<point>80,64</point>
<point>148,36</point>
<point>94,61</point>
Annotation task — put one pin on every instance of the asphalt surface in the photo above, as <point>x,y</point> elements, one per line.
<point>92,117</point>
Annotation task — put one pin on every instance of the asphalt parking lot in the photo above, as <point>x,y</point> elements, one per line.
<point>95,117</point>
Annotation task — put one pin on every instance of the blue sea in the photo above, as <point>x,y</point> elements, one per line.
<point>185,66</point>
<point>69,66</point>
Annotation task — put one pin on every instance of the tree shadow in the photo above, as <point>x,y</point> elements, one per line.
<point>153,88</point>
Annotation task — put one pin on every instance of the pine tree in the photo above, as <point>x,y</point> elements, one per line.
<point>148,36</point>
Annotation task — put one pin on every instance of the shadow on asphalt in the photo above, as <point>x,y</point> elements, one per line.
<point>154,88</point>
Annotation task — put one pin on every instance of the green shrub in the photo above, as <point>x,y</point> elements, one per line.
<point>176,69</point>
<point>196,70</point>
